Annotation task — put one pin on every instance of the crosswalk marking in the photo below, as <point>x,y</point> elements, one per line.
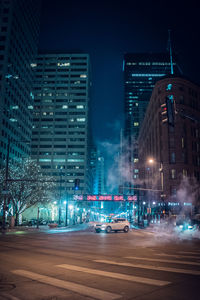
<point>165,260</point>
<point>176,256</point>
<point>174,270</point>
<point>115,275</point>
<point>78,288</point>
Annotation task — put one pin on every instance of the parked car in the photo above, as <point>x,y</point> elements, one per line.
<point>115,224</point>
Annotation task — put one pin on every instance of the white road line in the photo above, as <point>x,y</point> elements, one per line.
<point>78,288</point>
<point>165,260</point>
<point>115,275</point>
<point>174,270</point>
<point>184,252</point>
<point>176,256</point>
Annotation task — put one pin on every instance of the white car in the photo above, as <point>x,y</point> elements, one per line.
<point>115,224</point>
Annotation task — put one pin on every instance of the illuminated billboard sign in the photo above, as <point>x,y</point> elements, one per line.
<point>105,197</point>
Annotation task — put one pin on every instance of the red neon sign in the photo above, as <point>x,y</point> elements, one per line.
<point>132,198</point>
<point>105,198</point>
<point>91,198</point>
<point>118,198</point>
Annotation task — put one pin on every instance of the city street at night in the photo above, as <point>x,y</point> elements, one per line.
<point>77,263</point>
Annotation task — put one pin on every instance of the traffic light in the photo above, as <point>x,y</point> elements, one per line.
<point>167,110</point>
<point>77,184</point>
<point>164,112</point>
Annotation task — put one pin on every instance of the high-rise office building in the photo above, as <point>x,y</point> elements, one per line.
<point>141,71</point>
<point>60,137</point>
<point>19,30</point>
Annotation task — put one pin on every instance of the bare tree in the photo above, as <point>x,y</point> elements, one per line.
<point>26,186</point>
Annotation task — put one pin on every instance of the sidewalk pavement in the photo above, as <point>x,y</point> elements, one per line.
<point>45,228</point>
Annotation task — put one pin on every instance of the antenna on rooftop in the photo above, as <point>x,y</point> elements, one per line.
<point>170,51</point>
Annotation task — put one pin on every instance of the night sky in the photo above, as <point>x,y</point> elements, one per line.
<point>108,29</point>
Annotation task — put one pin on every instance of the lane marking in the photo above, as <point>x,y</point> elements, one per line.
<point>165,260</point>
<point>68,285</point>
<point>185,252</point>
<point>174,270</point>
<point>177,256</point>
<point>115,275</point>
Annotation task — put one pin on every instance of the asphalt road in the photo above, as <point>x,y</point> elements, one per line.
<point>68,264</point>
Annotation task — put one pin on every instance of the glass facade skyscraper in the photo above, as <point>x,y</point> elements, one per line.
<point>19,30</point>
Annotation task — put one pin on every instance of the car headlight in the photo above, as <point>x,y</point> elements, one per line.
<point>181,226</point>
<point>190,226</point>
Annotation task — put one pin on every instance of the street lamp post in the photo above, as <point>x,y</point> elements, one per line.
<point>161,180</point>
<point>66,210</point>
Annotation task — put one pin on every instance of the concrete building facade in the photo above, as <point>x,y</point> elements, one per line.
<point>61,119</point>
<point>169,142</point>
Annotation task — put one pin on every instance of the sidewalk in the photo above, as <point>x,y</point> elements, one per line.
<point>45,228</point>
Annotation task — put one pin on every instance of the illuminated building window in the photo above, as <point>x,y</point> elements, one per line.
<point>172,158</point>
<point>79,106</point>
<point>59,159</point>
<point>80,119</point>
<point>173,173</point>
<point>44,159</point>
<point>63,64</point>
<point>75,160</point>
<point>135,160</point>
<point>136,124</point>
<point>147,75</point>
<point>83,76</point>
<point>64,106</point>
